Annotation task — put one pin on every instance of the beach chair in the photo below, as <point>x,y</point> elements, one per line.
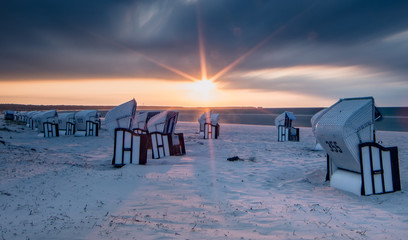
<point>87,123</point>
<point>209,127</point>
<point>129,147</point>
<point>9,115</point>
<point>163,139</point>
<point>286,132</point>
<point>66,123</point>
<point>50,117</point>
<point>355,162</point>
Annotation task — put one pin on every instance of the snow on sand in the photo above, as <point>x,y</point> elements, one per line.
<point>65,188</point>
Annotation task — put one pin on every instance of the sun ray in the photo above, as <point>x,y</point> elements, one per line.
<point>260,44</point>
<point>203,62</point>
<point>150,59</point>
<point>183,74</point>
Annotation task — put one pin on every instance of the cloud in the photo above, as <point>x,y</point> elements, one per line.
<point>49,39</point>
<point>328,82</point>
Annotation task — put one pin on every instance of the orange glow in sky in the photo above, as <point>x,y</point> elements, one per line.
<point>149,92</point>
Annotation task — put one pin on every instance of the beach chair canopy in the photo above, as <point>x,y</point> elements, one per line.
<point>63,118</point>
<point>121,116</point>
<point>142,118</point>
<point>285,119</point>
<point>86,115</point>
<point>343,126</point>
<point>164,122</point>
<point>208,117</point>
<point>32,113</point>
<point>47,116</point>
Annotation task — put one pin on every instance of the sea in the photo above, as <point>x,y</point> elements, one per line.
<point>393,118</point>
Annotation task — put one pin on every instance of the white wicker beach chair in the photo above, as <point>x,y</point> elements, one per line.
<point>164,141</point>
<point>355,162</point>
<point>129,147</point>
<point>209,125</point>
<point>66,123</point>
<point>87,123</point>
<point>286,132</point>
<point>47,123</point>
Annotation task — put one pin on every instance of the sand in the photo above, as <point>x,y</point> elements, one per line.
<point>66,188</point>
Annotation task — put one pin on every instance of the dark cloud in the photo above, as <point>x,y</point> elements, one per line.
<point>49,39</point>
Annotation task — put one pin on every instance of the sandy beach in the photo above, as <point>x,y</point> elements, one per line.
<point>66,188</point>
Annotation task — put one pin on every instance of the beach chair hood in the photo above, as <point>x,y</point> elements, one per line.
<point>63,118</point>
<point>121,116</point>
<point>164,122</point>
<point>85,115</point>
<point>47,116</point>
<point>209,117</point>
<point>283,118</point>
<point>142,118</point>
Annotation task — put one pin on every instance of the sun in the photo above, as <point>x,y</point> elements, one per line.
<point>202,91</point>
<point>204,85</point>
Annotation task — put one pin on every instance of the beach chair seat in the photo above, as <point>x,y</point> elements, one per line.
<point>50,129</point>
<point>129,148</point>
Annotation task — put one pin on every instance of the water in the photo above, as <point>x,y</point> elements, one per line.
<point>394,119</point>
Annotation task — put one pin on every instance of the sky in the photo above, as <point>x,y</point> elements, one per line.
<point>300,53</point>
